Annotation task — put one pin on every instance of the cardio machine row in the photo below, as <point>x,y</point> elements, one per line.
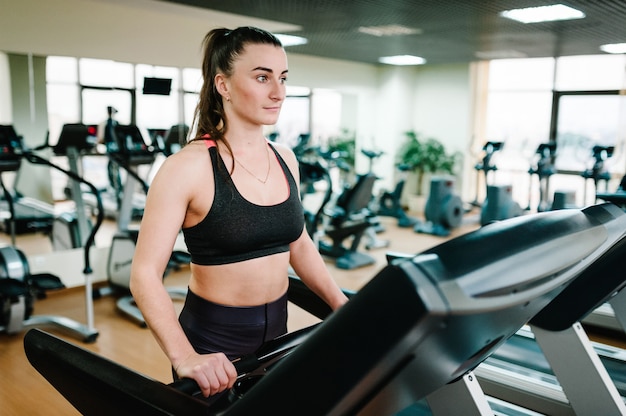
<point>19,288</point>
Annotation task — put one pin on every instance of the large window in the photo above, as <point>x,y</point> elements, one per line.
<point>573,101</point>
<point>294,117</point>
<point>80,90</point>
<point>155,111</point>
<point>518,111</point>
<point>585,120</point>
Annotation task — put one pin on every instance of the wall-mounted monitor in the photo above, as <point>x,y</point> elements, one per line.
<point>157,86</point>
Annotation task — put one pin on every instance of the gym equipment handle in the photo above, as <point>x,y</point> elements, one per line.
<point>256,363</point>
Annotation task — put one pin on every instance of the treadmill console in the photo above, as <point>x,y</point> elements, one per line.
<point>77,136</point>
<point>130,146</point>
<point>10,146</point>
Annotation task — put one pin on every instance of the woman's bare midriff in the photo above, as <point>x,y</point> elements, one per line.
<point>248,283</point>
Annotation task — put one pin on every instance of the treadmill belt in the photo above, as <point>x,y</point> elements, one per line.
<point>524,352</point>
<point>30,217</point>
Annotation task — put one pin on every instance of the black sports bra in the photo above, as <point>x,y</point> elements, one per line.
<point>235,229</point>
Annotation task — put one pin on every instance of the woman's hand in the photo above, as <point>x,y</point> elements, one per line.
<point>214,373</point>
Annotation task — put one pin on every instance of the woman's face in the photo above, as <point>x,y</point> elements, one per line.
<point>255,92</point>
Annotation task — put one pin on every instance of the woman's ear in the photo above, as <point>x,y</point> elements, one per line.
<point>221,85</point>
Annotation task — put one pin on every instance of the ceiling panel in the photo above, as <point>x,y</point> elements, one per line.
<point>450,31</point>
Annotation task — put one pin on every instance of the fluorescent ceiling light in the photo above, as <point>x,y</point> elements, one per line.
<point>402,60</point>
<point>291,40</point>
<point>614,48</point>
<point>543,14</point>
<point>389,30</point>
<point>501,54</point>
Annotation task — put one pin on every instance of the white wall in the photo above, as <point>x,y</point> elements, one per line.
<point>30,118</point>
<point>394,113</point>
<point>6,112</point>
<point>136,31</point>
<point>442,104</point>
<point>443,109</point>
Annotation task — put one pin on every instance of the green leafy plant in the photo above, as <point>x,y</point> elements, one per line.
<point>345,143</point>
<point>426,156</point>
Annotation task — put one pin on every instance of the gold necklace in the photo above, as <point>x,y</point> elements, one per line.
<point>267,175</point>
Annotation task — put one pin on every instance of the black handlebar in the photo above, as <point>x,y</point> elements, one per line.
<point>257,363</point>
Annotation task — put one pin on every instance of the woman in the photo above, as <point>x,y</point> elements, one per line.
<point>236,199</point>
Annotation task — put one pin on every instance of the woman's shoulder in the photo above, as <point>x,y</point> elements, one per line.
<point>194,151</point>
<point>187,162</point>
<point>285,152</point>
<point>290,159</point>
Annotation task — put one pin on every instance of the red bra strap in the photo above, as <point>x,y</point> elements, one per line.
<point>208,141</point>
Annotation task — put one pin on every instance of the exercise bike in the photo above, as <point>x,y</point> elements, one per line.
<point>372,240</point>
<point>389,202</point>
<point>339,217</point>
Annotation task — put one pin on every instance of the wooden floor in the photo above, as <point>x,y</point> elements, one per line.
<point>24,392</point>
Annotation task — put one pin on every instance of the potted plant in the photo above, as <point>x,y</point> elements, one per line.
<point>343,147</point>
<point>345,144</point>
<point>426,155</point>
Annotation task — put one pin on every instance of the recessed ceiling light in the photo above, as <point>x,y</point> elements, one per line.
<point>291,40</point>
<point>543,14</point>
<point>389,30</point>
<point>614,48</point>
<point>402,60</point>
<point>501,54</point>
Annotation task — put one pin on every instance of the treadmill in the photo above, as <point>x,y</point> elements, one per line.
<point>536,370</point>
<point>30,214</point>
<point>417,330</point>
<point>611,314</point>
<point>129,153</point>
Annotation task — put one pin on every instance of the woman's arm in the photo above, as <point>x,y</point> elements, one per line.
<point>311,269</point>
<point>166,207</point>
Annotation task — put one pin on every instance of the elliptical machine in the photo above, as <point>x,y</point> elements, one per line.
<point>498,204</point>
<point>598,172</point>
<point>543,169</point>
<point>490,148</point>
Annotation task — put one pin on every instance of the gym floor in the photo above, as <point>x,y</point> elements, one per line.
<point>24,392</point>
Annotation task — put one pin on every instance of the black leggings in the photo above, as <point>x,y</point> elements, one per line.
<point>235,331</point>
